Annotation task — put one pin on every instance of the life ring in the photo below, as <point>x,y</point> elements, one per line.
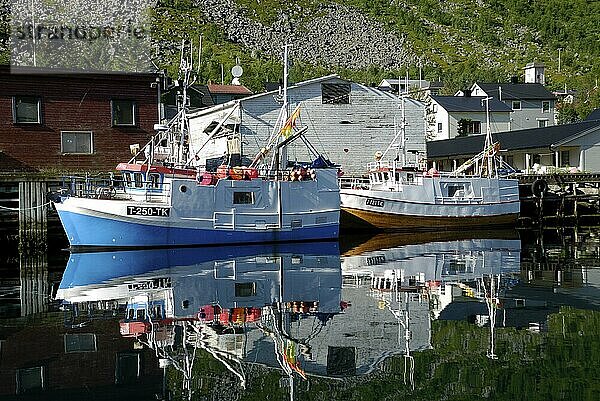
<point>539,188</point>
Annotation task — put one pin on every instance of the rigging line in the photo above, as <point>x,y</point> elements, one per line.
<point>16,209</point>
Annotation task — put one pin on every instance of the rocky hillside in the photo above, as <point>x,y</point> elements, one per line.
<point>456,41</point>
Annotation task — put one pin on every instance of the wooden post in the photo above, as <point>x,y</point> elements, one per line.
<point>32,216</point>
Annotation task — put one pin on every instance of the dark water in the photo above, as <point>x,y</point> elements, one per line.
<point>457,316</point>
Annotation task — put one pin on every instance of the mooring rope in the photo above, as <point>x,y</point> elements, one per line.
<point>17,209</point>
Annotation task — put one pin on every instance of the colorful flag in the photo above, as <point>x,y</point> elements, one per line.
<point>287,129</point>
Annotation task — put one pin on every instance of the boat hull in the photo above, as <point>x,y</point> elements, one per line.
<point>360,219</point>
<point>429,206</point>
<point>229,212</point>
<point>84,230</point>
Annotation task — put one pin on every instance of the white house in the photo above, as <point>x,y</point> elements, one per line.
<point>347,122</point>
<point>533,105</point>
<point>452,116</point>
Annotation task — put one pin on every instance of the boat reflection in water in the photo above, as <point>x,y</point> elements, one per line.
<point>300,308</point>
<point>237,303</point>
<point>437,276</point>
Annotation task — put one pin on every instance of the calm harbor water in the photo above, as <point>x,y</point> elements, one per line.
<point>500,315</point>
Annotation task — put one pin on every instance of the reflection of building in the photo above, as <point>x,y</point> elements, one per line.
<point>52,358</point>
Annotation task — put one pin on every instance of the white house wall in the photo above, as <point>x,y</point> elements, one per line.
<point>499,122</point>
<point>589,151</point>
<point>530,115</point>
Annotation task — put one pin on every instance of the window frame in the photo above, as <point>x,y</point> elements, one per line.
<point>236,200</point>
<point>62,147</point>
<point>134,113</point>
<point>39,110</point>
<point>542,120</point>
<point>515,102</point>
<point>471,125</point>
<point>95,341</point>
<point>562,158</point>
<point>544,110</point>
<point>19,384</point>
<point>440,128</point>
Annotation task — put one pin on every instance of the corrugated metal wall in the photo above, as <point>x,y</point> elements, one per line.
<point>348,134</point>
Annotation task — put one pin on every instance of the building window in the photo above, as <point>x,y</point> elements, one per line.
<point>516,105</point>
<point>542,123</point>
<point>434,108</point>
<point>76,142</point>
<point>128,368</point>
<point>30,379</point>
<point>243,198</point>
<point>80,342</point>
<point>440,125</point>
<point>473,127</point>
<point>468,127</point>
<point>510,160</point>
<point>123,112</point>
<point>27,110</point>
<point>545,106</point>
<point>564,158</point>
<point>336,93</point>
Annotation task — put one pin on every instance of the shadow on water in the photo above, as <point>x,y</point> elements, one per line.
<point>454,315</point>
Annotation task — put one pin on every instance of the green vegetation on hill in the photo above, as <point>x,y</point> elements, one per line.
<point>456,41</point>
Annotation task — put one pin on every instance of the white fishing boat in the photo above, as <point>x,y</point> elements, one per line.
<point>401,194</point>
<point>163,199</point>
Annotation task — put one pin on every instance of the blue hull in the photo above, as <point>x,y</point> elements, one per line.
<point>83,230</point>
<point>84,268</point>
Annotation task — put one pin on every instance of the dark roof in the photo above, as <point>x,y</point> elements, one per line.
<point>594,115</point>
<point>469,103</point>
<point>510,140</point>
<point>517,91</point>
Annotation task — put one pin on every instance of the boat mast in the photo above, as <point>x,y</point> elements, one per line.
<point>488,147</point>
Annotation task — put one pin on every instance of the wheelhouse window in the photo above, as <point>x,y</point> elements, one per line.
<point>338,93</point>
<point>243,198</point>
<point>154,180</point>
<point>546,106</point>
<point>79,142</point>
<point>138,179</point>
<point>127,179</point>
<point>27,110</point>
<point>123,112</point>
<point>516,105</point>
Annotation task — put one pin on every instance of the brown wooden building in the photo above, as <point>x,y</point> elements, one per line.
<point>61,121</point>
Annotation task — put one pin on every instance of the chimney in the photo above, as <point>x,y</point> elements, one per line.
<point>514,79</point>
<point>467,92</point>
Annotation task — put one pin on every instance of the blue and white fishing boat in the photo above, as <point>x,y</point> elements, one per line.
<point>163,199</point>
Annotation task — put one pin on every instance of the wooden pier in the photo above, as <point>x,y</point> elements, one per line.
<point>560,199</point>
